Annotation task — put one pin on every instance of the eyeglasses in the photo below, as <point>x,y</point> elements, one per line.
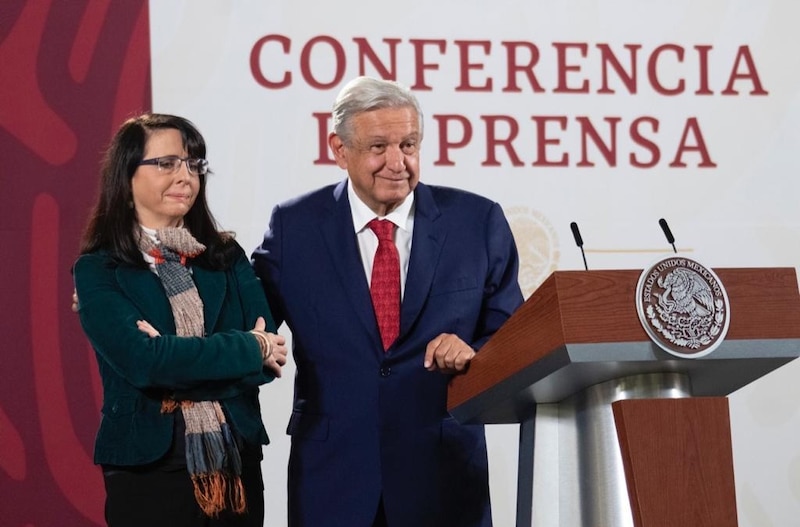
<point>171,164</point>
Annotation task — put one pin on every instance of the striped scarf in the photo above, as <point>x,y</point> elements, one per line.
<point>212,458</point>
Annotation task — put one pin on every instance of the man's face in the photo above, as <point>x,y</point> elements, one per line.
<point>383,157</point>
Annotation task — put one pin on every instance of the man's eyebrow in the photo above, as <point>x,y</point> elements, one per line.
<point>384,139</point>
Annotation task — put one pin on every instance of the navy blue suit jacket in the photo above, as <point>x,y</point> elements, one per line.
<point>368,423</point>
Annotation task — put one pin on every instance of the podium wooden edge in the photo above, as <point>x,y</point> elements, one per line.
<point>678,460</point>
<point>574,309</point>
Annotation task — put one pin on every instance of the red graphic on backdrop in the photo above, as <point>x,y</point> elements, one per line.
<point>29,118</point>
<point>72,71</point>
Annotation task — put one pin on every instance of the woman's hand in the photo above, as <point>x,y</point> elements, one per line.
<point>145,327</point>
<point>273,347</point>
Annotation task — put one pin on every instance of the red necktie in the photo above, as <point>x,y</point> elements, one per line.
<point>385,284</point>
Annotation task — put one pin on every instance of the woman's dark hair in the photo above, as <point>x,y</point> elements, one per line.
<point>113,225</point>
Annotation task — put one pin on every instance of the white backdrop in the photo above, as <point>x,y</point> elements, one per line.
<point>693,106</point>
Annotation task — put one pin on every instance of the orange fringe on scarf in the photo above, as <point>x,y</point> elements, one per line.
<point>170,405</point>
<point>212,491</point>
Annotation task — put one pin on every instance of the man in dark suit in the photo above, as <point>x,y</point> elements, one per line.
<point>372,442</point>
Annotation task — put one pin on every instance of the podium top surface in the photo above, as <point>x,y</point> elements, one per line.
<point>580,328</point>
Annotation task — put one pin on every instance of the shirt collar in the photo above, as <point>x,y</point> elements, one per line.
<point>362,214</point>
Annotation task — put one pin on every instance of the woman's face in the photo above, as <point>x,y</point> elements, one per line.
<point>162,199</point>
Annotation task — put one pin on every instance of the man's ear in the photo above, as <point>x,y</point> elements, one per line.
<point>337,148</point>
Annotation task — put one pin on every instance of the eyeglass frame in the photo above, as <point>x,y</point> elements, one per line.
<point>202,164</point>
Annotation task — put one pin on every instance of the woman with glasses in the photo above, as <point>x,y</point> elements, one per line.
<point>183,338</point>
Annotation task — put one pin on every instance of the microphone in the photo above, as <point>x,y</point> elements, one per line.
<point>579,242</point>
<point>668,233</point>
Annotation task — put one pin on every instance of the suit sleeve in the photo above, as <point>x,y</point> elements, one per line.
<point>501,291</point>
<point>169,362</point>
<point>266,261</point>
<point>251,292</point>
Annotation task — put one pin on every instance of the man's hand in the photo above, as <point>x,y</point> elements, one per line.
<point>448,354</point>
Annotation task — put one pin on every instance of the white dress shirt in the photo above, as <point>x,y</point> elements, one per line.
<point>402,216</point>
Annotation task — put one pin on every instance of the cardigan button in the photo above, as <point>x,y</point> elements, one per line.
<point>386,371</point>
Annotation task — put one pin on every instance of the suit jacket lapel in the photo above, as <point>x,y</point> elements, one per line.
<point>426,248</point>
<point>340,240</point>
<point>211,287</point>
<point>144,289</point>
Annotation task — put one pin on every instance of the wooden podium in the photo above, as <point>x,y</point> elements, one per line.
<point>643,435</point>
